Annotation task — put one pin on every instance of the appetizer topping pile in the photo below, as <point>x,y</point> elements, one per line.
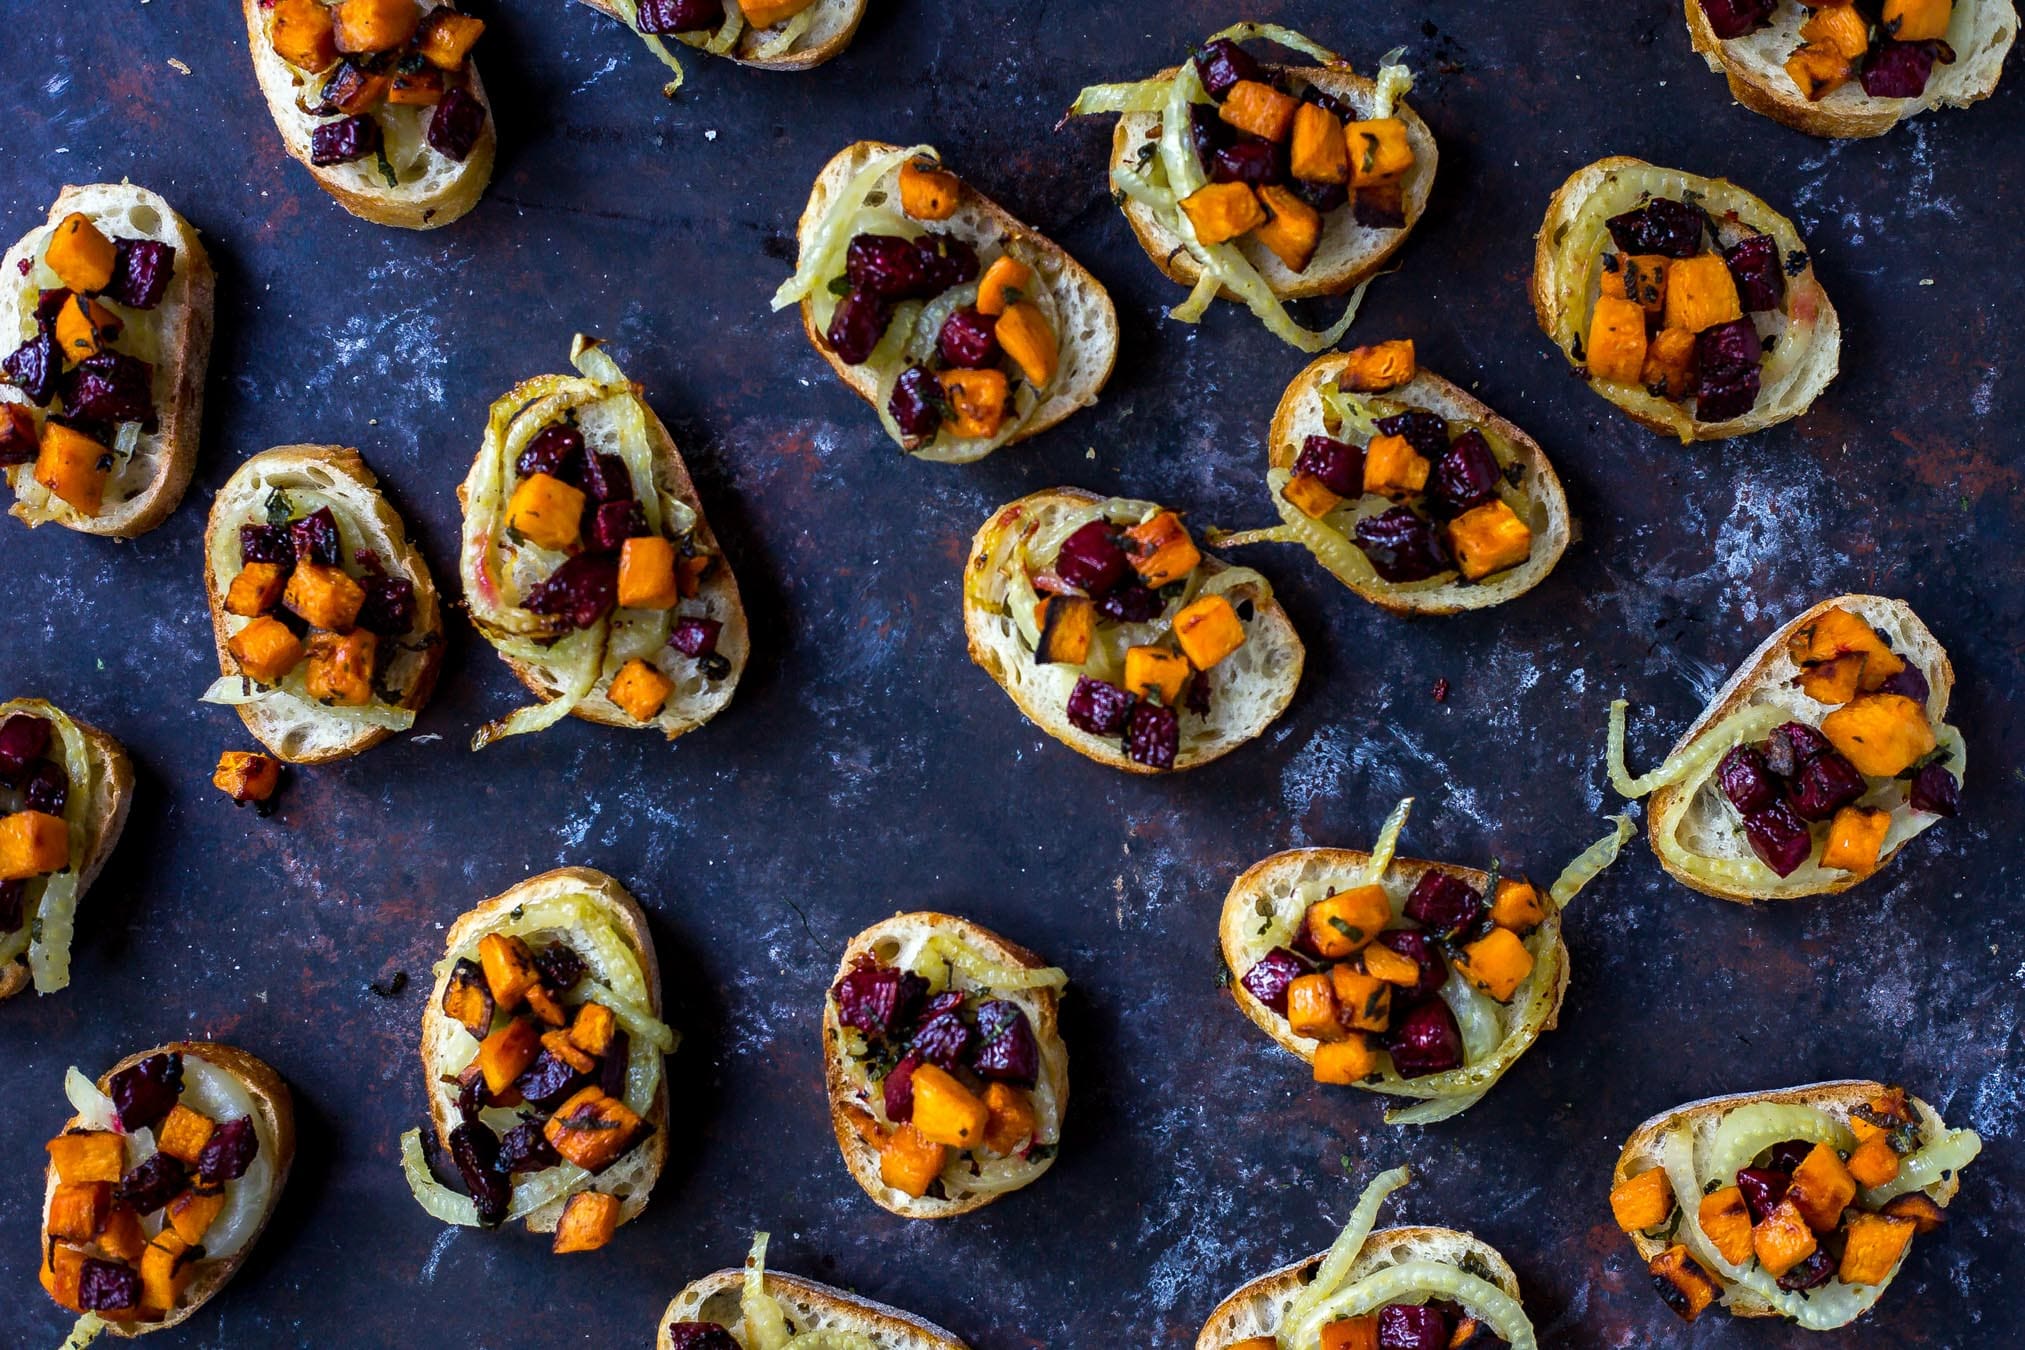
<point>764,1324</point>
<point>247,777</point>
<point>1677,318</point>
<point>152,1185</point>
<point>98,400</point>
<point>380,67</point>
<point>1888,46</point>
<point>719,28</point>
<point>1811,1214</point>
<point>45,791</point>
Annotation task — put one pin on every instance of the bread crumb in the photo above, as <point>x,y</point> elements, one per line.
<point>178,66</point>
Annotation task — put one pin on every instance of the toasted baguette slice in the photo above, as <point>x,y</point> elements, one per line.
<point>1301,415</point>
<point>1257,1309</point>
<point>1706,823</point>
<point>1980,31</point>
<point>853,1116</point>
<point>810,1307</point>
<point>1644,1151</point>
<point>296,730</point>
<point>431,188</point>
<point>1254,685</point>
<point>1798,366</point>
<point>275,1126</point>
<point>1348,253</point>
<point>146,487</point>
<point>832,25</point>
<point>112,792</point>
<point>1088,342</point>
<point>439,1032</point>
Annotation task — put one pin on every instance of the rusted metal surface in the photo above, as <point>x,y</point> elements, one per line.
<point>866,766</point>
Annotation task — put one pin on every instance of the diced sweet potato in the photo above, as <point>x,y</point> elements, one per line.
<point>339,667</point>
<point>1838,26</point>
<point>1220,212</point>
<point>945,1111</point>
<point>1883,735</point>
<point>265,649</point>
<point>592,1130</point>
<point>1726,1220</point>
<point>1340,924</point>
<point>927,190</point>
<point>303,34</point>
<point>1013,1119</point>
<point>976,400</point>
<point>1379,150</point>
<point>1256,107</point>
<point>647,574</point>
<point>1700,293</point>
<point>1517,906</point>
<point>910,1162</point>
<point>1257,1343</point>
<point>508,963</point>
<point>1855,839</point>
<point>324,596</point>
<point>1783,1239</point>
<point>1311,495</point>
<point>1822,1188</point>
<point>589,1218</point>
<point>1686,1287</point>
<point>1616,344</point>
<point>415,88</point>
<point>640,690</point>
<point>504,1055</point>
<point>1351,1333</point>
<point>1208,630</point>
<point>1363,1002</point>
<point>559,1044</point>
<point>83,328</point>
<point>1382,962</point>
<point>1292,230</point>
<point>1378,367</point>
<point>1917,20</point>
<point>257,589</point>
<point>546,1006</point>
<point>546,511</point>
<point>1393,468</point>
<point>1669,363</point>
<point>1350,1060</point>
<point>1024,334</point>
<point>78,1209</point>
<point>690,569</point>
<point>1837,634</point>
<point>62,1272</point>
<point>79,254</point>
<point>1311,1009</point>
<point>1643,277</point>
<point>1874,1161</point>
<point>1318,153</point>
<point>1155,672</point>
<point>183,1133</point>
<point>246,776</point>
<point>1643,1201</point>
<point>87,1155</point>
<point>593,1028</point>
<point>447,37</point>
<point>1489,538</point>
<point>1818,69</point>
<point>1006,282</point>
<point>122,1237</point>
<point>375,25</point>
<point>32,843</point>
<point>1919,1208</point>
<point>1068,627</point>
<point>73,467</point>
<point>192,1213</point>
<point>166,1268</point>
<point>1832,682</point>
<point>1872,1245</point>
<point>1496,963</point>
<point>1161,550</point>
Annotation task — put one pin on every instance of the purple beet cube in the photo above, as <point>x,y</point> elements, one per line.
<point>389,607</point>
<point>1779,838</point>
<point>1824,786</point>
<point>1466,474</point>
<point>1402,545</point>
<point>1420,949</point>
<point>141,272</point>
<point>1936,791</point>
<point>1270,975</point>
<point>111,387</point>
<point>145,1092</point>
<point>556,450</point>
<point>695,637</point>
<point>1670,228</point>
<point>1249,160</point>
<point>266,544</point>
<point>49,304</point>
<point>153,1183</point>
<point>314,538</point>
<point>1131,603</point>
<point>1442,904</point>
<point>1754,265</point>
<point>108,1286</point>
<point>525,1149</point>
<point>1792,746</point>
<point>1722,396</point>
<point>1412,1326</point>
<point>968,340</point>
<point>229,1151</point>
<point>889,266</point>
<point>1910,682</point>
<point>1092,559</point>
<point>1728,349</point>
<point>456,125</point>
<point>1006,1048</point>
<point>1899,69</point>
<point>1338,464</point>
<point>24,739</point>
<point>606,478</point>
<point>680,16</point>
<point>13,905</point>
<point>33,367</point>
<point>1787,1155</point>
<point>579,592</point>
<point>856,325</point>
<point>1098,707</point>
<point>1426,432</point>
<point>1763,1188</point>
<point>916,404</point>
<point>947,261</point>
<point>547,1081</point>
<point>696,1335</point>
<point>46,789</point>
<point>1734,18</point>
<point>1427,1040</point>
<point>1222,64</point>
<point>613,523</point>
<point>1153,736</point>
<point>878,1000</point>
<point>1745,780</point>
<point>943,1037</point>
<point>343,141</point>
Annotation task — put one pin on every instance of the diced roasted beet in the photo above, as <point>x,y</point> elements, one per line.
<point>1442,904</point>
<point>475,1150</point>
<point>1222,64</point>
<point>1728,348</point>
<point>1811,1273</point>
<point>1763,1188</point>
<point>345,140</point>
<point>229,1151</point>
<point>695,636</point>
<point>898,1089</point>
<point>266,544</point>
<point>24,739</point>
<point>942,1039</point>
<point>389,607</point>
<point>111,387</point>
<point>47,788</point>
<point>947,260</point>
<point>153,1182</point>
<point>1327,197</point>
<point>1745,780</point>
<point>1338,464</point>
<point>1412,1326</point>
<point>1719,397</point>
<point>1936,791</point>
<point>559,966</point>
<point>948,1001</point>
<point>141,272</point>
<point>1792,746</point>
<point>1670,228</point>
<point>525,1149</point>
<point>613,523</point>
<point>1754,265</point>
<point>1787,1155</point>
<point>889,266</point>
<point>1208,133</point>
<point>1900,69</point>
<point>1248,161</point>
<point>1328,103</point>
<point>1779,837</point>
<point>1402,545</point>
<point>1734,18</point>
<point>472,1095</point>
<point>547,1081</point>
<point>1131,603</point>
<point>1420,949</point>
<point>679,16</point>
<point>1911,682</point>
<point>698,1336</point>
<point>314,538</point>
<point>145,1092</point>
<point>856,325</point>
<point>1426,432</point>
<point>606,478</point>
<point>1098,707</point>
<point>967,339</point>
<point>1824,786</point>
<point>33,367</point>
<point>1006,1048</point>
<point>878,1000</point>
<point>556,450</point>
<point>456,125</point>
<point>579,592</point>
<point>1378,206</point>
<point>20,438</point>
<point>1092,559</point>
<point>1466,474</point>
<point>917,403</point>
<point>48,304</point>
<point>13,906</point>
<point>1153,736</point>
<point>108,1286</point>
<point>1427,1040</point>
<point>1269,976</point>
<point>612,1068</point>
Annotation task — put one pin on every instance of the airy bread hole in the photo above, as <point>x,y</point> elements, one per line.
<point>887,950</point>
<point>145,219</point>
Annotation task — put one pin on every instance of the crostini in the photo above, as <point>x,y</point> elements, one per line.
<point>964,328</point>
<point>1264,183</point>
<point>1684,300</point>
<point>160,1184</point>
<point>1854,67</point>
<point>755,1309</point>
<point>762,34</point>
<point>1419,1287</point>
<point>587,561</point>
<point>1120,638</point>
<point>1800,1203</point>
<point>1413,494</point>
<point>324,615</point>
<point>1411,978</point>
<point>110,303</point>
<point>380,100</point>
<point>943,1056</point>
<point>542,1045</point>
<point>65,786</point>
<point>1821,756</point>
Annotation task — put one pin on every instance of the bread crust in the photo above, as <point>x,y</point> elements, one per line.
<point>979,216</point>
<point>1043,1009</point>
<point>839,20</point>
<point>1172,257</point>
<point>402,557</point>
<point>382,206</point>
<point>629,920</point>
<point>277,1110</point>
<point>187,350</point>
<point>1269,625</point>
<point>1299,415</point>
<point>806,1302</point>
<point>1755,674</point>
<point>112,795</point>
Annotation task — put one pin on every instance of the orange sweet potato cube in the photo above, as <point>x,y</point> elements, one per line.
<point>1855,839</point>
<point>122,1237</point>
<point>73,467</point>
<point>640,690</point>
<point>447,37</point>
<point>1256,107</point>
<point>1693,1288</point>
<point>504,1055</point>
<point>340,669</point>
<point>1643,1201</point>
<point>1155,672</point>
<point>1338,925</point>
<point>1836,634</point>
<point>1700,293</point>
<point>246,776</point>
<point>303,34</point>
<point>1517,906</point>
<point>192,1213</point>
<point>1872,1247</point>
<point>1616,344</point>
<point>87,1155</point>
<point>1883,735</point>
<point>1318,153</point>
<point>593,1029</point>
<point>927,190</point>
<point>1669,363</point>
<point>546,511</point>
<point>83,328</point>
<point>1390,966</point>
<point>79,254</point>
<point>946,1112</point>
<point>1783,1239</point>
<point>1917,20</point>
<point>1496,963</point>
<point>1874,1161</point>
<point>1013,1119</point>
<point>910,1162</point>
<point>78,1209</point>
<point>1839,26</point>
<point>1311,495</point>
<point>1378,367</point>
<point>257,589</point>
<point>1822,1188</point>
<point>1643,278</point>
<point>1004,283</point>
<point>1347,1333</point>
<point>166,1268</point>
<point>1311,1008</point>
<point>589,1219</point>
<point>647,574</point>
<point>593,1130</point>
<point>1726,1220</point>
<point>1208,630</point>
<point>1393,468</point>
<point>375,25</point>
<point>183,1133</point>
<point>1024,333</point>
<point>1293,229</point>
<point>62,1272</point>
<point>324,596</point>
<point>1161,551</point>
<point>1379,151</point>
<point>977,401</point>
<point>1220,212</point>
<point>1489,538</point>
<point>1363,1002</point>
<point>508,963</point>
<point>265,649</point>
<point>1350,1060</point>
<point>32,844</point>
